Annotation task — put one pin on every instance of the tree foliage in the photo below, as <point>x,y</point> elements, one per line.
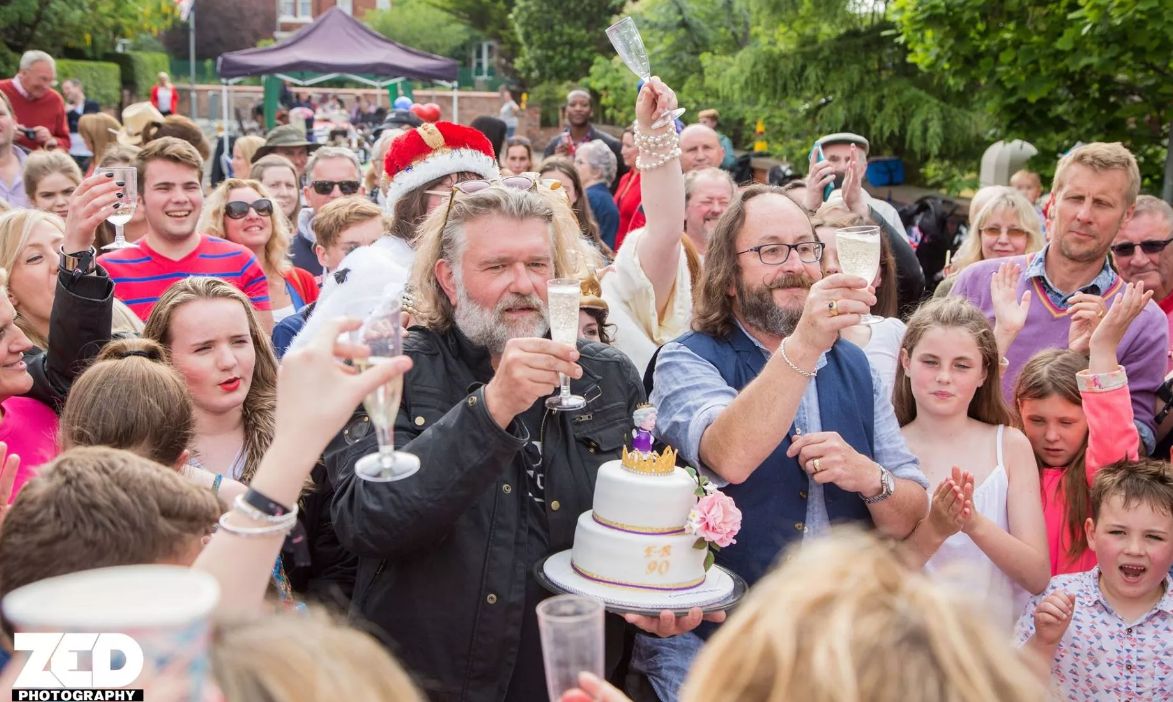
<point>1054,74</point>
<point>222,26</point>
<point>491,18</point>
<point>559,41</point>
<point>421,25</point>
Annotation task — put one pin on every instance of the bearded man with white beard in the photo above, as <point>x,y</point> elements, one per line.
<point>446,556</point>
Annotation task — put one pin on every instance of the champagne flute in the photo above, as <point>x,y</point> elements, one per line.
<point>624,36</point>
<point>382,334</point>
<point>562,299</point>
<point>859,255</point>
<point>129,177</point>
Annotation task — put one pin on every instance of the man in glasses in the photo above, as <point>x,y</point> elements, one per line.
<point>332,172</point>
<point>765,397</point>
<point>1094,193</point>
<point>39,109</point>
<point>1142,253</point>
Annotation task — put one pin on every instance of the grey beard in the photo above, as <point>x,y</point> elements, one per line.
<point>489,328</point>
<point>759,310</point>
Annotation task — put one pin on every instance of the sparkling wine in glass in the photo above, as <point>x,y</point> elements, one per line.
<point>122,215</point>
<point>382,334</point>
<point>562,300</point>
<point>859,255</point>
<point>624,36</point>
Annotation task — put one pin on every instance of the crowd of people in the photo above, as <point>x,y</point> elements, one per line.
<point>969,499</point>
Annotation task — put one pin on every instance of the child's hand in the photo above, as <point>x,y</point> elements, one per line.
<point>1085,312</point>
<point>1010,310</point>
<point>952,505</point>
<point>1105,338</point>
<point>1052,617</point>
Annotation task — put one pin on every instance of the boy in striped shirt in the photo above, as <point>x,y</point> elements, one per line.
<point>170,174</point>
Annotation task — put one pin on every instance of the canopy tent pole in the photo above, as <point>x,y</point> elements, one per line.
<point>224,114</point>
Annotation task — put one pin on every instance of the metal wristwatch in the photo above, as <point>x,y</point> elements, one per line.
<point>888,486</point>
<point>80,263</point>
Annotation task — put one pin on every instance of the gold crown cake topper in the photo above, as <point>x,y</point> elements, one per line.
<point>650,463</point>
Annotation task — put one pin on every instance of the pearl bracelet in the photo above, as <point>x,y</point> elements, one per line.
<point>648,165</point>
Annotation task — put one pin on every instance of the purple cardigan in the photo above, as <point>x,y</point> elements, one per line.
<point>1143,350</point>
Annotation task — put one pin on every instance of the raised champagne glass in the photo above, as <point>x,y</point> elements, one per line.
<point>381,332</point>
<point>562,298</point>
<point>624,36</point>
<point>129,178</point>
<point>859,255</point>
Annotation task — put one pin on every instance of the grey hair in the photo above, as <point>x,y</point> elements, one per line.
<point>709,173</point>
<point>579,91</point>
<point>329,152</point>
<point>28,58</point>
<point>601,158</point>
<point>1147,204</point>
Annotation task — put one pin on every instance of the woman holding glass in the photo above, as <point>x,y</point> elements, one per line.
<point>243,212</point>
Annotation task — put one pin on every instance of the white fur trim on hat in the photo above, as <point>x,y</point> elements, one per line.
<point>437,166</point>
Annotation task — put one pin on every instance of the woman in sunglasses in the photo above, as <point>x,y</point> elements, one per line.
<point>1006,225</point>
<point>244,212</point>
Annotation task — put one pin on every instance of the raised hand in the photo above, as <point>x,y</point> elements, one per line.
<point>819,175</point>
<point>9,467</point>
<point>528,370</point>
<point>1106,336</point>
<point>834,303</point>
<point>1052,617</point>
<point>93,201</point>
<point>1010,310</point>
<point>654,99</point>
<point>853,187</point>
<point>1086,311</point>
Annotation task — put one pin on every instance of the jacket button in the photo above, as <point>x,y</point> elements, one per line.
<point>419,421</point>
<point>802,494</point>
<point>491,599</point>
<point>591,448</point>
<point>472,401</point>
<point>555,505</point>
<point>506,488</point>
<point>799,526</point>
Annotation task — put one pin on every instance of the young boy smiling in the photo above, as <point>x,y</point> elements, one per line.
<point>1108,633</point>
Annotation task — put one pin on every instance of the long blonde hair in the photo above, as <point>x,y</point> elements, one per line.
<point>16,228</point>
<point>274,260</point>
<point>843,620</point>
<point>258,409</point>
<point>1008,200</point>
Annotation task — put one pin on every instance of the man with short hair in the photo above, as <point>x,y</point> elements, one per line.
<point>287,140</point>
<point>711,118</point>
<point>332,172</point>
<point>765,397</point>
<point>502,480</point>
<point>700,147</point>
<point>579,109</point>
<point>1095,190</point>
<point>39,110</point>
<point>1142,253</point>
<point>76,105</point>
<point>170,173</point>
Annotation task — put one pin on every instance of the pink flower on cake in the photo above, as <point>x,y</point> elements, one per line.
<point>715,519</point>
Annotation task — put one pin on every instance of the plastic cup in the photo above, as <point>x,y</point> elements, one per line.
<point>571,628</point>
<point>165,609</point>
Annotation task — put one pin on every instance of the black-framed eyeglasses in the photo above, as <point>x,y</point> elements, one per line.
<point>523,182</point>
<point>325,187</point>
<point>238,209</point>
<point>777,254</point>
<point>1150,247</point>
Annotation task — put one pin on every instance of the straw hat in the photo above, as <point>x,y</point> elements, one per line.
<point>135,119</point>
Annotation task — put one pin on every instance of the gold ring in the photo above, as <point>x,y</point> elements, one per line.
<point>816,466</point>
<point>833,308</point>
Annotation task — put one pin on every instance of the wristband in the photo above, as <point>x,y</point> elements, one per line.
<point>254,532</point>
<point>266,505</point>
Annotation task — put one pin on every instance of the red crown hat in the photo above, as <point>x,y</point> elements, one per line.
<point>434,150</point>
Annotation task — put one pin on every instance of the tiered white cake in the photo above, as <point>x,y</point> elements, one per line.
<point>634,536</point>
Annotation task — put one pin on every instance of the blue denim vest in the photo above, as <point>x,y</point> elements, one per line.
<point>773,500</point>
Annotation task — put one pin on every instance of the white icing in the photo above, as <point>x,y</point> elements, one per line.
<point>642,560</point>
<point>640,502</point>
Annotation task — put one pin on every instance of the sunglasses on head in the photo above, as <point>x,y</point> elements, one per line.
<point>522,182</point>
<point>325,187</point>
<point>1150,247</point>
<point>238,209</point>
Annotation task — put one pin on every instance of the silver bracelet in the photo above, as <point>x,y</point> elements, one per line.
<point>242,506</point>
<point>256,532</point>
<point>796,369</point>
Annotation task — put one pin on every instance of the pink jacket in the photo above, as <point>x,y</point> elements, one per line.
<point>1111,437</point>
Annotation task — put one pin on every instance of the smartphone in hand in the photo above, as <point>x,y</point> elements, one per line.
<point>817,156</point>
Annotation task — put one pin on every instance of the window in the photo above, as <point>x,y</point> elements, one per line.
<point>285,8</point>
<point>346,6</point>
<point>305,8</point>
<point>382,4</point>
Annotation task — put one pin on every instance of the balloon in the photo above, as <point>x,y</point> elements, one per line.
<point>402,103</point>
<point>429,112</point>
<point>417,110</point>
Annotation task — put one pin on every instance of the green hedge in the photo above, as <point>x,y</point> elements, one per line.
<point>139,70</point>
<point>102,80</point>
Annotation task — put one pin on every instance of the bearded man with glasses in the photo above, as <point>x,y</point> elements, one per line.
<point>765,398</point>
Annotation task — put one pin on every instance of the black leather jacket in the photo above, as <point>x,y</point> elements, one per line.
<point>79,326</point>
<point>442,570</point>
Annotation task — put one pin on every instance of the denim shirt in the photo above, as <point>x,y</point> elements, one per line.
<point>689,394</point>
<point>1038,269</point>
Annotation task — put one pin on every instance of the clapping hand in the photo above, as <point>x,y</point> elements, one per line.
<point>1052,617</point>
<point>9,466</point>
<point>853,195</point>
<point>1106,335</point>
<point>1086,311</point>
<point>952,505</point>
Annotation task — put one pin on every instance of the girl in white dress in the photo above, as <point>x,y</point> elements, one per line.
<point>985,529</point>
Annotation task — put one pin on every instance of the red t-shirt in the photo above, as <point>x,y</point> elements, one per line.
<point>141,274</point>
